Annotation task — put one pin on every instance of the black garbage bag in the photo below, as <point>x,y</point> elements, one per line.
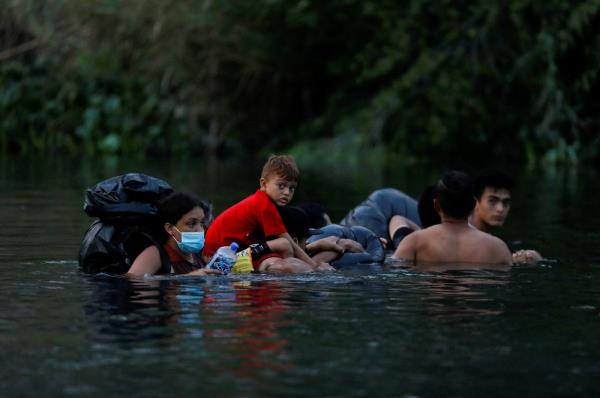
<point>125,199</point>
<point>127,224</point>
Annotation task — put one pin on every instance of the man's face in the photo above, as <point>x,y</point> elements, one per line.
<point>493,206</point>
<point>280,190</point>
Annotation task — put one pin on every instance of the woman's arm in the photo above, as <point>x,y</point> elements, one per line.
<point>148,262</point>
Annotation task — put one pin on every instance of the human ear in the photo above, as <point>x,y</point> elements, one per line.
<point>168,228</point>
<point>263,183</point>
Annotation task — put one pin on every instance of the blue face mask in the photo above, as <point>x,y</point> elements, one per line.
<point>191,242</point>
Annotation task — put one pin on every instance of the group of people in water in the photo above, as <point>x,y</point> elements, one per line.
<point>450,223</point>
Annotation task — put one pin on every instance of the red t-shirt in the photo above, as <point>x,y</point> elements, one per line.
<point>254,219</point>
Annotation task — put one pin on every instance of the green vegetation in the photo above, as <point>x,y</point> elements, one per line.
<point>511,80</point>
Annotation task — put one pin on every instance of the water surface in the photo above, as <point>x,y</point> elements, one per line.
<point>374,331</point>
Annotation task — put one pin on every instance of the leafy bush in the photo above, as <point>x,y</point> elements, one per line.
<point>509,80</point>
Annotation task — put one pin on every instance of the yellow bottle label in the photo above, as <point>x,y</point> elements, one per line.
<point>243,264</point>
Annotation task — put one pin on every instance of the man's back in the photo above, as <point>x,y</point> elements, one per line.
<point>453,243</point>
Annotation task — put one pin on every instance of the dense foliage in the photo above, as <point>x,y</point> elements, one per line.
<point>513,79</point>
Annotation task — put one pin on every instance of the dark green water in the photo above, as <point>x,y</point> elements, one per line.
<point>528,331</point>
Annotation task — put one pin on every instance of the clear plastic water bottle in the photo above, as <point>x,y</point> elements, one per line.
<point>224,258</point>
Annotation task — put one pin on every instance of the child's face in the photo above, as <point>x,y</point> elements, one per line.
<point>280,190</point>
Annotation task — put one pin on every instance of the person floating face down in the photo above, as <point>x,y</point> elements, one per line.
<point>454,240</point>
<point>380,214</point>
<point>255,222</point>
<point>492,204</point>
<point>326,249</point>
<point>182,217</point>
<point>388,212</point>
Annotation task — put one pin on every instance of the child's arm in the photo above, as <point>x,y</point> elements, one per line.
<point>296,251</point>
<point>299,252</point>
<point>287,249</point>
<point>335,244</point>
<point>281,246</point>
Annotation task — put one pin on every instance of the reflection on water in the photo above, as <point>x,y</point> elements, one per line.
<point>457,295</point>
<point>375,331</point>
<point>366,331</point>
<point>234,322</point>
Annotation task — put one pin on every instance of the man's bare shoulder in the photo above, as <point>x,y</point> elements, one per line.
<point>427,233</point>
<point>420,237</point>
<point>491,239</point>
<point>424,237</point>
<point>408,246</point>
<point>497,246</point>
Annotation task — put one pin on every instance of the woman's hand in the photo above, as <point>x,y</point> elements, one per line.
<point>204,271</point>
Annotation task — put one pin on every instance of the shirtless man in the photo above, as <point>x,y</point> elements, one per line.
<point>454,240</point>
<point>492,204</point>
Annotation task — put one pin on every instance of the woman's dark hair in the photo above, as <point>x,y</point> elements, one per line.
<point>455,193</point>
<point>175,205</point>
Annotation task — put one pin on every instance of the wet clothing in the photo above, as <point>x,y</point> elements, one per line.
<point>254,219</point>
<point>180,265</point>
<point>376,212</point>
<point>374,251</point>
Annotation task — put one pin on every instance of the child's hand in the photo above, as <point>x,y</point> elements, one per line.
<point>325,244</point>
<point>349,245</point>
<point>324,267</point>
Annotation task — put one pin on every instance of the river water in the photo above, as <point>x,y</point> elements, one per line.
<point>375,331</point>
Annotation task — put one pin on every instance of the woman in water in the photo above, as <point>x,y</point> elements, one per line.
<point>182,216</point>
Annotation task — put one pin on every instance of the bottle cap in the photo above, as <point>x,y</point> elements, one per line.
<point>234,246</point>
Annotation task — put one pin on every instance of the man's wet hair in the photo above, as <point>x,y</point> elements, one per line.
<point>316,213</point>
<point>282,165</point>
<point>427,212</point>
<point>295,221</point>
<point>455,194</point>
<point>491,178</point>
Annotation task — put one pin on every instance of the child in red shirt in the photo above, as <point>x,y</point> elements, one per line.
<point>255,222</point>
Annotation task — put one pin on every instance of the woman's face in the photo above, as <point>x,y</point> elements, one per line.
<point>189,222</point>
